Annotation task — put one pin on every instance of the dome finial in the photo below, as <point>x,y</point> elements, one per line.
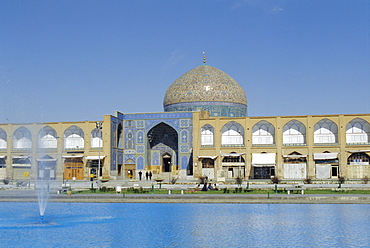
<point>204,57</point>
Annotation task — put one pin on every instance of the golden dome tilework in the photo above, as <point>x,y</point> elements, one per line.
<point>205,83</point>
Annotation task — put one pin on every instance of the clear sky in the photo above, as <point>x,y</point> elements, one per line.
<point>80,60</point>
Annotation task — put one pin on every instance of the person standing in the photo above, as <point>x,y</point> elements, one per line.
<point>147,175</point>
<point>150,175</point>
<point>140,174</point>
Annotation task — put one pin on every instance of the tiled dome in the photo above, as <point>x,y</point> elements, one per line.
<point>208,88</point>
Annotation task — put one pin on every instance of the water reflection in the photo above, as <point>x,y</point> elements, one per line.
<point>186,225</point>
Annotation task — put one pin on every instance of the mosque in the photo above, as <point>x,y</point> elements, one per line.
<point>204,131</point>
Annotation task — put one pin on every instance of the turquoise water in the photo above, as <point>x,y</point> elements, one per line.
<point>185,225</point>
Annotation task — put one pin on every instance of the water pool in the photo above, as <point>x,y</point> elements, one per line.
<point>185,225</point>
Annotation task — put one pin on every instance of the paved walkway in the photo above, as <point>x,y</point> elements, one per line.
<point>181,184</point>
<point>31,196</point>
<point>26,192</point>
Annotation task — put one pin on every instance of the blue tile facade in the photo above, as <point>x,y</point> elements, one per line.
<point>135,137</point>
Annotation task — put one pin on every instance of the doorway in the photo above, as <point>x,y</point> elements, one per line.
<point>73,168</point>
<point>166,159</point>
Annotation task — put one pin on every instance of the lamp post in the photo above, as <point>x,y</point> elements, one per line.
<point>241,165</point>
<point>61,155</point>
<point>99,127</point>
<point>240,154</point>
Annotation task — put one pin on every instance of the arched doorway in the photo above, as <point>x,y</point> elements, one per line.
<point>166,162</point>
<point>162,148</point>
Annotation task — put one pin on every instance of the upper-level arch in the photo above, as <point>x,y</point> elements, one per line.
<point>358,131</point>
<point>3,139</point>
<point>263,133</point>
<point>96,138</point>
<point>22,138</point>
<point>206,133</point>
<point>74,138</point>
<point>164,134</point>
<point>232,134</point>
<point>325,131</point>
<point>47,138</point>
<point>294,133</point>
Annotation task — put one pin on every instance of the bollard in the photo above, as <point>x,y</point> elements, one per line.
<point>123,195</point>
<point>182,191</point>
<point>268,195</point>
<point>152,188</point>
<point>276,189</point>
<point>169,191</point>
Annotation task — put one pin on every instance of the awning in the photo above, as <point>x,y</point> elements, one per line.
<point>46,160</point>
<point>294,156</point>
<point>232,154</point>
<point>94,157</point>
<point>211,157</point>
<point>324,156</point>
<point>24,157</point>
<point>22,165</point>
<point>263,165</point>
<point>72,156</point>
<point>263,159</point>
<point>354,151</point>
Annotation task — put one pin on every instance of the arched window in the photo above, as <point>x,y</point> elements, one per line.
<point>96,138</point>
<point>206,133</point>
<point>358,131</point>
<point>326,131</point>
<point>140,137</point>
<point>22,139</point>
<point>184,136</point>
<point>232,134</point>
<point>119,135</point>
<point>263,133</point>
<point>358,158</point>
<point>74,138</point>
<point>3,139</point>
<point>294,132</point>
<point>47,138</point>
<point>129,139</point>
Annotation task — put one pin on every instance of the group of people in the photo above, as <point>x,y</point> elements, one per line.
<point>207,186</point>
<point>148,175</point>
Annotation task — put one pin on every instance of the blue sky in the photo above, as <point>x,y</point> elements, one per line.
<point>81,60</point>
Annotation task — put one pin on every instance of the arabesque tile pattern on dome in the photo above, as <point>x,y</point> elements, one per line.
<point>204,83</point>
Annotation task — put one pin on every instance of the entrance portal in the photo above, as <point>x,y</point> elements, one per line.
<point>163,143</point>
<point>166,163</point>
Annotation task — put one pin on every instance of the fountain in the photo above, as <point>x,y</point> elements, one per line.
<point>43,189</point>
